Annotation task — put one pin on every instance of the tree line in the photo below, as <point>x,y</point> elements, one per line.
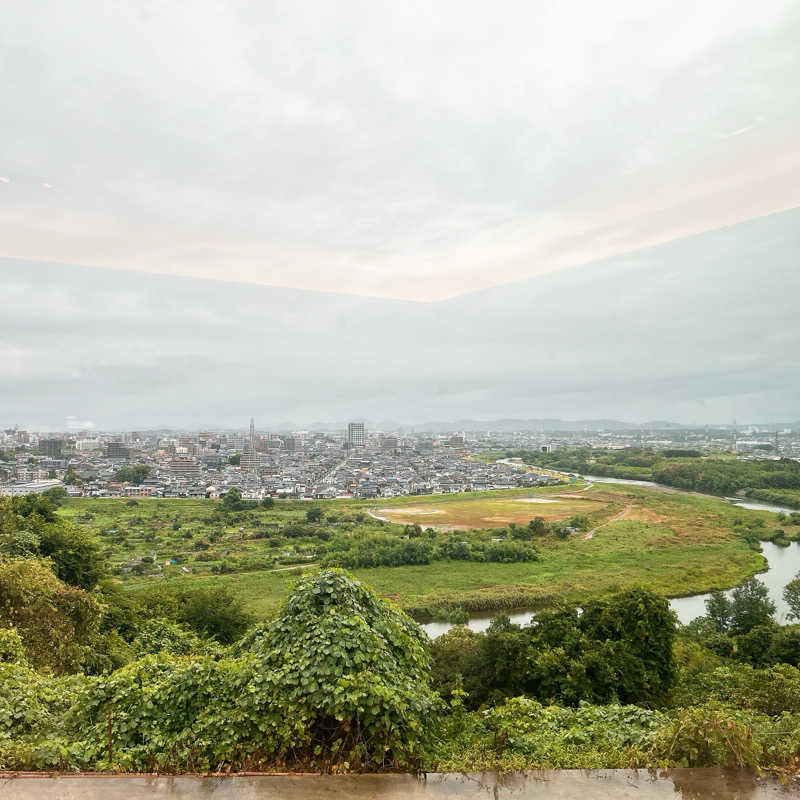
<point>684,469</point>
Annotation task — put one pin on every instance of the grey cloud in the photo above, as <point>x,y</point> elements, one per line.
<point>375,148</point>
<point>702,329</point>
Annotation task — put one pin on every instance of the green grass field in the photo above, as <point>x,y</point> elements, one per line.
<point>673,542</point>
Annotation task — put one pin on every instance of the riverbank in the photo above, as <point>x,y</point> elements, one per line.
<point>783,565</point>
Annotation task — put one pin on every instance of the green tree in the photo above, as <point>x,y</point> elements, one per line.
<point>538,526</point>
<point>750,606</point>
<point>235,460</point>
<point>718,610</point>
<point>135,474</point>
<point>791,595</point>
<point>232,499</point>
<point>56,496</point>
<point>211,611</point>
<point>71,478</point>
<point>619,648</point>
<point>313,515</point>
<point>55,622</point>
<point>34,508</point>
<point>453,654</point>
<point>29,527</point>
<point>76,555</point>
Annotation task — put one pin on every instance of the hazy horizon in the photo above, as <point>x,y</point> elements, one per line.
<point>694,331</point>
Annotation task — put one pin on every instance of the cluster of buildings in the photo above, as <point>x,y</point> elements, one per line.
<point>354,462</point>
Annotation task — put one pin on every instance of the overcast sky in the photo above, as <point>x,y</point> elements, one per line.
<point>411,150</point>
<point>702,329</point>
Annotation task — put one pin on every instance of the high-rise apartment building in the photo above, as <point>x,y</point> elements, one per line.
<point>185,468</point>
<point>356,435</point>
<point>389,443</point>
<point>117,450</point>
<point>51,447</point>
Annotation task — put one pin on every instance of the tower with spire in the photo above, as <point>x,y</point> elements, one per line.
<point>249,459</point>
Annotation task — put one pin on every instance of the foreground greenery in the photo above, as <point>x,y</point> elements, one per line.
<point>342,681</point>
<point>180,674</point>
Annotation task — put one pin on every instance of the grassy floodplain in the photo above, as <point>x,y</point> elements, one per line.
<point>675,543</point>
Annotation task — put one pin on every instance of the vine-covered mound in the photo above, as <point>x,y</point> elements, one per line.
<point>338,681</point>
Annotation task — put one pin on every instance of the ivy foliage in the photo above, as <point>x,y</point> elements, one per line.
<point>354,668</point>
<point>523,733</point>
<point>56,623</point>
<point>164,636</point>
<point>12,651</point>
<point>338,682</point>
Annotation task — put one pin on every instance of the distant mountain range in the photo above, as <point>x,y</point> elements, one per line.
<point>528,425</point>
<point>700,329</point>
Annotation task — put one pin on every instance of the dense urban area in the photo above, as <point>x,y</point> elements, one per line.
<point>352,463</point>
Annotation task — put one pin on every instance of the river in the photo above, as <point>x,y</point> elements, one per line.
<point>784,564</point>
<point>737,501</point>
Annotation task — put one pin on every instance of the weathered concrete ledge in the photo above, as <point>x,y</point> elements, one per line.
<point>694,784</point>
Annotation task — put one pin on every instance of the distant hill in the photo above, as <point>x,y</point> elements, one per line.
<point>701,329</point>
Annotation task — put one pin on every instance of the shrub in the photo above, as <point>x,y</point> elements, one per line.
<point>769,691</point>
<point>354,671</point>
<point>705,737</point>
<point>210,611</point>
<point>163,636</point>
<point>337,681</point>
<point>54,621</point>
<point>12,650</point>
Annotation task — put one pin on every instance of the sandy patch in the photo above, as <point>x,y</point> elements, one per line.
<point>645,515</point>
<point>587,499</point>
<point>401,512</point>
<point>536,500</point>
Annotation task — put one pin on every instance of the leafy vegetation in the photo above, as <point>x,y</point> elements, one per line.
<point>637,536</point>
<point>618,649</point>
<point>29,526</point>
<point>135,474</point>
<point>680,468</point>
<point>188,673</point>
<point>337,681</point>
<point>388,551</point>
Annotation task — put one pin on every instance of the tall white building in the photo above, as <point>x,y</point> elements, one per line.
<point>249,459</point>
<point>356,435</point>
